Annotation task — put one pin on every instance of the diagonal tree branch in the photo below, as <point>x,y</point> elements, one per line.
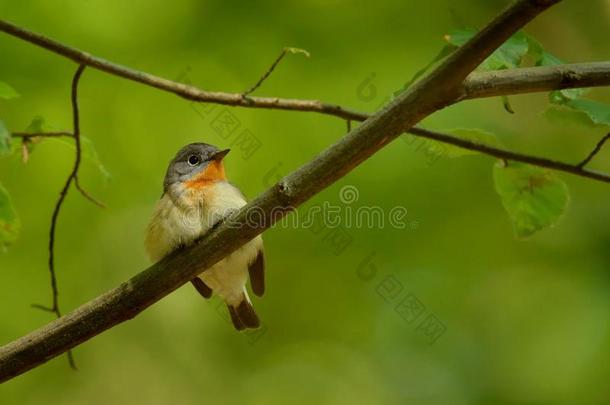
<point>436,91</point>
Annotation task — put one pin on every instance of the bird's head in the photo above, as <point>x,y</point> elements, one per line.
<point>196,165</point>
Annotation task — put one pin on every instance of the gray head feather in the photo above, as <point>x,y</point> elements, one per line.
<point>189,160</point>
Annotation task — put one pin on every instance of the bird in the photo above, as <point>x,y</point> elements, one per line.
<point>196,197</point>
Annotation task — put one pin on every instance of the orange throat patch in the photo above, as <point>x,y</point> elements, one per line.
<point>213,172</point>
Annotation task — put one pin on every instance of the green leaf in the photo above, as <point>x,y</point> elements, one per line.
<point>506,105</point>
<point>471,134</point>
<point>294,51</point>
<point>7,92</point>
<point>561,115</point>
<point>582,110</point>
<point>9,222</point>
<point>534,198</point>
<point>88,153</point>
<point>508,56</point>
<point>536,50</point>
<point>37,125</point>
<point>445,51</point>
<point>5,140</point>
<point>598,113</point>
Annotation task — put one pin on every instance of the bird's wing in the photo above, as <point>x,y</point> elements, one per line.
<point>256,269</point>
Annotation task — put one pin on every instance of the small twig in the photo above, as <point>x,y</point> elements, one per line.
<point>28,138</point>
<point>86,194</point>
<point>43,308</point>
<point>30,135</point>
<point>62,196</point>
<point>349,125</point>
<point>595,151</point>
<point>507,155</point>
<point>284,52</point>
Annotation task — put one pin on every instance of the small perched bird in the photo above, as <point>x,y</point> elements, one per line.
<point>196,196</point>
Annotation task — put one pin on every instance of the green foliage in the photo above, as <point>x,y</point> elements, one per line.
<point>509,56</point>
<point>568,104</point>
<point>533,197</point>
<point>580,110</point>
<point>507,106</point>
<point>7,92</point>
<point>295,51</point>
<point>9,222</point>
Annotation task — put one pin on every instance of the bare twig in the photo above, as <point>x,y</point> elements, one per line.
<point>576,169</point>
<point>86,194</point>
<point>509,82</point>
<point>595,151</point>
<point>62,196</point>
<point>268,72</point>
<point>31,135</point>
<point>436,91</point>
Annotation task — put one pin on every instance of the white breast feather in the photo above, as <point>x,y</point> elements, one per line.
<point>176,224</point>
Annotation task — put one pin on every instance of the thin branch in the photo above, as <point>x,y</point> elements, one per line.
<point>576,169</point>
<point>536,79</point>
<point>188,92</point>
<point>595,151</point>
<point>62,196</point>
<point>86,194</point>
<point>513,81</point>
<point>271,68</point>
<point>130,298</point>
<point>31,135</point>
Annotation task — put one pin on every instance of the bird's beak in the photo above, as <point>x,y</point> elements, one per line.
<point>218,156</point>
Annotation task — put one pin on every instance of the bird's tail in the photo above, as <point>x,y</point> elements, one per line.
<point>242,314</point>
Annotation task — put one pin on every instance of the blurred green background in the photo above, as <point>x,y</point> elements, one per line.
<point>523,321</point>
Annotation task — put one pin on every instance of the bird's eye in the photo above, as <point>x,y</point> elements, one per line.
<point>193,160</point>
